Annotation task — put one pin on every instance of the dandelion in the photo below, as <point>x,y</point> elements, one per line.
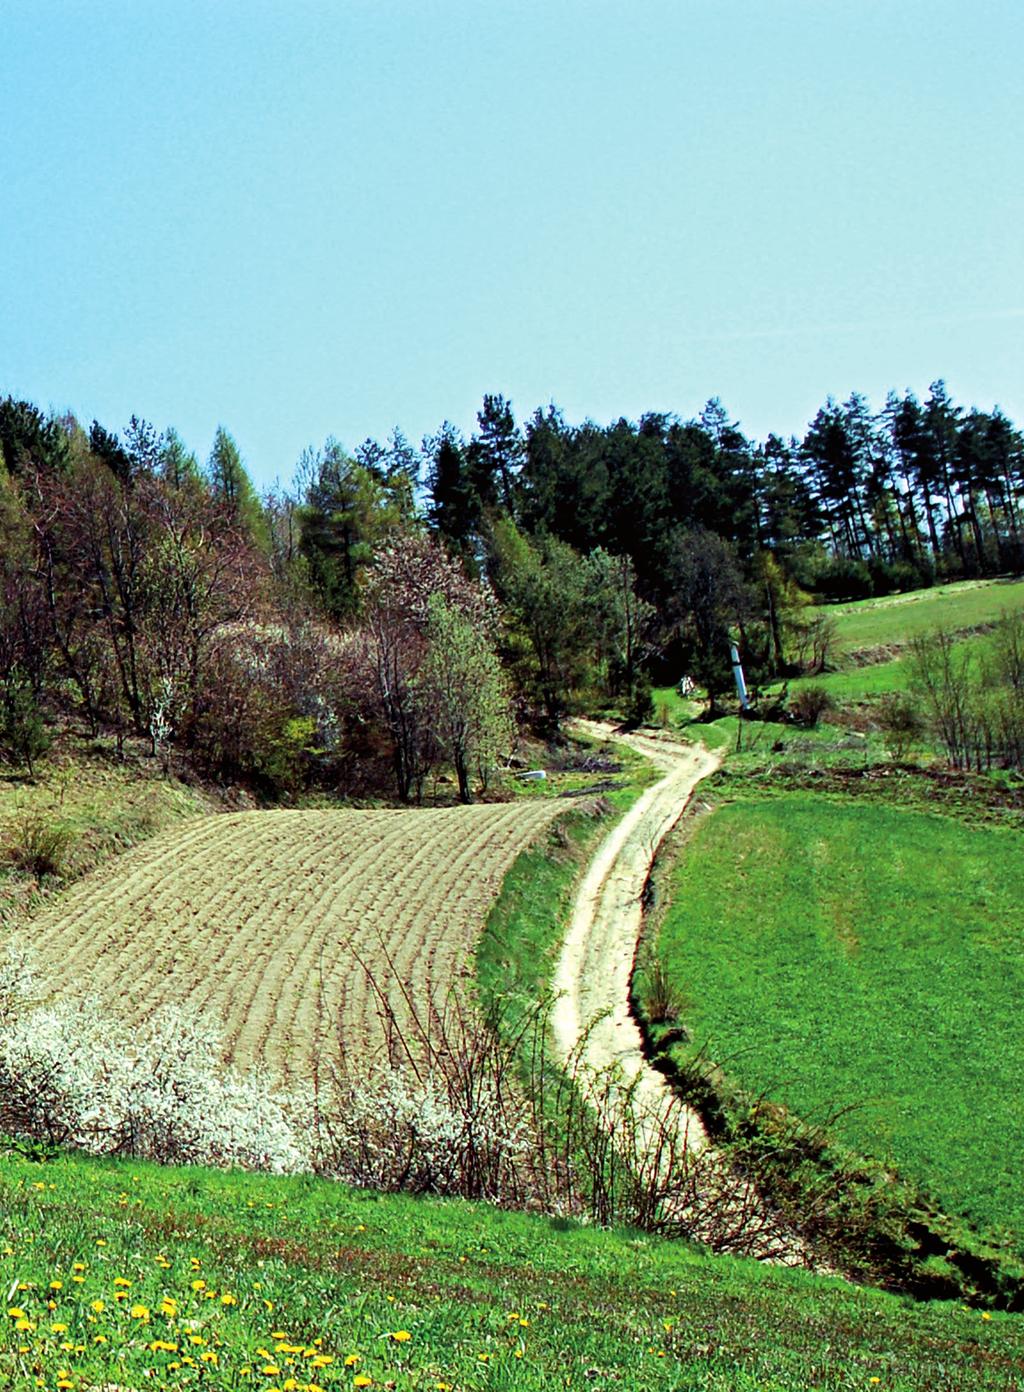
<point>98,1306</point>
<point>361,1380</point>
<point>122,1281</point>
<point>139,1312</point>
<point>58,1328</point>
<point>199,1285</point>
<point>400,1336</point>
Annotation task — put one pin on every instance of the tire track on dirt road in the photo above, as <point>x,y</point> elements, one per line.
<point>591,1019</point>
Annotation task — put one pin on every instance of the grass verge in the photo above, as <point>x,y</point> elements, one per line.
<point>124,1275</point>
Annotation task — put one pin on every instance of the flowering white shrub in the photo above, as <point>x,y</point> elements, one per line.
<point>397,1132</point>
<point>70,1076</point>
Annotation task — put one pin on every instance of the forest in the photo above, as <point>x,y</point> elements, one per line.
<point>397,608</point>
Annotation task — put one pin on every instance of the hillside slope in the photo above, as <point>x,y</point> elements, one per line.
<point>257,923</point>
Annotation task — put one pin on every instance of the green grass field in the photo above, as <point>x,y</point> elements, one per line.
<point>837,953</point>
<point>123,1275</point>
<point>894,620</point>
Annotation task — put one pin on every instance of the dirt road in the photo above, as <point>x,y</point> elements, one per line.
<point>593,971</point>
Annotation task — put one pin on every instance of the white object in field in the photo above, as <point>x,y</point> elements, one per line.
<point>737,671</point>
<point>534,775</point>
<point>687,686</point>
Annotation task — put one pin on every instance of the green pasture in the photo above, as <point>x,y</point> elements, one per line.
<point>896,619</point>
<point>838,954</point>
<point>126,1275</point>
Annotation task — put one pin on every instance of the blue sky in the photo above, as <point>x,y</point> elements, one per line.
<point>325,217</point>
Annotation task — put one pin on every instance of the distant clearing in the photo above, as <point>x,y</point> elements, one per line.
<point>256,921</point>
<point>893,621</point>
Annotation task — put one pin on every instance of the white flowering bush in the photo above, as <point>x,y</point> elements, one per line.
<point>69,1076</point>
<point>401,1132</point>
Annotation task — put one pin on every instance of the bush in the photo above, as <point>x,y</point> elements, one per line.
<point>69,1076</point>
<point>901,722</point>
<point>809,704</point>
<point>23,736</point>
<point>39,845</point>
<point>661,999</point>
<point>844,578</point>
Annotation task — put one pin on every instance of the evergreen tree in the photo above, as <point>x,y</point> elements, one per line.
<point>455,509</point>
<point>232,491</point>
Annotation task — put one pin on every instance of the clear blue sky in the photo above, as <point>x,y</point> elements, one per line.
<point>314,217</point>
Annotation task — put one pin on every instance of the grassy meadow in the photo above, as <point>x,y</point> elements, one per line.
<point>894,620</point>
<point>125,1275</point>
<point>836,954</point>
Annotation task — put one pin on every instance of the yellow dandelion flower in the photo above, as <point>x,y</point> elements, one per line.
<point>400,1336</point>
<point>56,1285</point>
<point>139,1312</point>
<point>58,1328</point>
<point>122,1281</point>
<point>199,1285</point>
<point>24,1326</point>
<point>270,1370</point>
<point>361,1380</point>
<point>16,1312</point>
<point>228,1299</point>
<point>99,1306</point>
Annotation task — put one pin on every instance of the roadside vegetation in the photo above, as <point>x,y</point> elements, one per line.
<point>127,1274</point>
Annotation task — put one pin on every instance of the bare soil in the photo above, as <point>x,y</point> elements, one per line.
<point>257,923</point>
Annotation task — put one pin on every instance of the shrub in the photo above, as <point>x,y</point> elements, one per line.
<point>661,999</point>
<point>23,736</point>
<point>809,704</point>
<point>39,845</point>
<point>70,1076</point>
<point>901,721</point>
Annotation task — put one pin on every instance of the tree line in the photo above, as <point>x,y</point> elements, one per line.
<point>395,609</point>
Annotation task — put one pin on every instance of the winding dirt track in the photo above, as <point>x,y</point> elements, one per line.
<point>591,1021</point>
<point>256,923</point>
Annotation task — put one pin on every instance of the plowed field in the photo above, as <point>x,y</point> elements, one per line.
<point>256,922</point>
